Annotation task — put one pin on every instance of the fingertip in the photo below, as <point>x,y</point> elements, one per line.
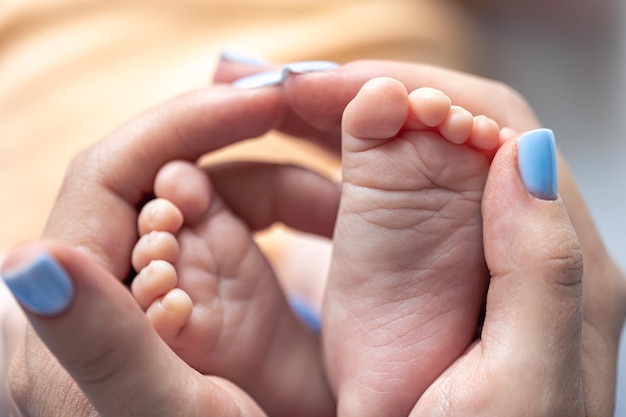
<point>536,158</point>
<point>38,281</point>
<point>533,255</point>
<point>235,63</point>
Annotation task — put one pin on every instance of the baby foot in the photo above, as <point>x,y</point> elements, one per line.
<point>408,278</point>
<point>212,296</point>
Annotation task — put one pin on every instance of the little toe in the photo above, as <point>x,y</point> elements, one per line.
<point>485,133</point>
<point>457,126</point>
<point>155,245</point>
<point>186,186</point>
<point>506,133</point>
<point>429,108</point>
<point>159,215</point>
<point>378,111</point>
<point>169,314</point>
<point>153,282</point>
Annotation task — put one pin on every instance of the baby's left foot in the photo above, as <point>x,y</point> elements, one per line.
<point>213,297</point>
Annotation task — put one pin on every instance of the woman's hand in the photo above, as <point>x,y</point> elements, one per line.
<point>317,101</point>
<point>118,364</point>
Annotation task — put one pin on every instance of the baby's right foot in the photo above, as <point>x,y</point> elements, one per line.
<point>213,297</point>
<point>408,277</point>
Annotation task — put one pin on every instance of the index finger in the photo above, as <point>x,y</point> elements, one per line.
<point>96,208</point>
<point>320,97</point>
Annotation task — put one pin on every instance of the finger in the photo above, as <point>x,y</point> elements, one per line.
<point>107,181</point>
<point>534,307</point>
<point>233,68</point>
<point>263,194</point>
<point>320,97</point>
<point>92,325</point>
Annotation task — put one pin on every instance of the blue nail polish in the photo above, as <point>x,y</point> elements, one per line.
<point>276,77</point>
<point>240,57</point>
<point>536,158</point>
<point>309,66</point>
<point>261,79</point>
<point>306,313</point>
<point>41,286</point>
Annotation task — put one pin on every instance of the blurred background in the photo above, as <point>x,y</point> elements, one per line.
<point>72,71</point>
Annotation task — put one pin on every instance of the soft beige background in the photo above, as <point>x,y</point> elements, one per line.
<point>72,71</point>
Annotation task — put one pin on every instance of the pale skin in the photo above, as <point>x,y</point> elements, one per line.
<point>128,359</point>
<point>211,295</point>
<point>408,278</point>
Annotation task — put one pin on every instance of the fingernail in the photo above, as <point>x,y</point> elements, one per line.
<point>309,66</point>
<point>306,313</point>
<point>40,285</point>
<point>276,77</point>
<point>261,79</point>
<point>536,158</point>
<point>241,57</point>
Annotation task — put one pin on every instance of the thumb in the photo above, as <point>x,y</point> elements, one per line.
<point>90,322</point>
<point>533,319</point>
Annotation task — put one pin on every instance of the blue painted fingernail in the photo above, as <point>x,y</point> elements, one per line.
<point>41,285</point>
<point>261,79</point>
<point>306,313</point>
<point>309,66</point>
<point>536,158</point>
<point>276,77</point>
<point>241,57</point>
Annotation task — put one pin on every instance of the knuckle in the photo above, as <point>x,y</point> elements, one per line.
<point>565,260</point>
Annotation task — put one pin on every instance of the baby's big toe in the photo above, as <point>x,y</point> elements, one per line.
<point>186,186</point>
<point>378,112</point>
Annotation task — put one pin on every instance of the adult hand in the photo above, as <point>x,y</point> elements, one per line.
<point>317,101</point>
<point>528,360</point>
<point>96,330</point>
<point>316,115</point>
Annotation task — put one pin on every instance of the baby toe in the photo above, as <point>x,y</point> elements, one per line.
<point>485,133</point>
<point>186,186</point>
<point>169,314</point>
<point>159,215</point>
<point>378,112</point>
<point>155,245</point>
<point>429,108</point>
<point>153,282</point>
<point>457,125</point>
